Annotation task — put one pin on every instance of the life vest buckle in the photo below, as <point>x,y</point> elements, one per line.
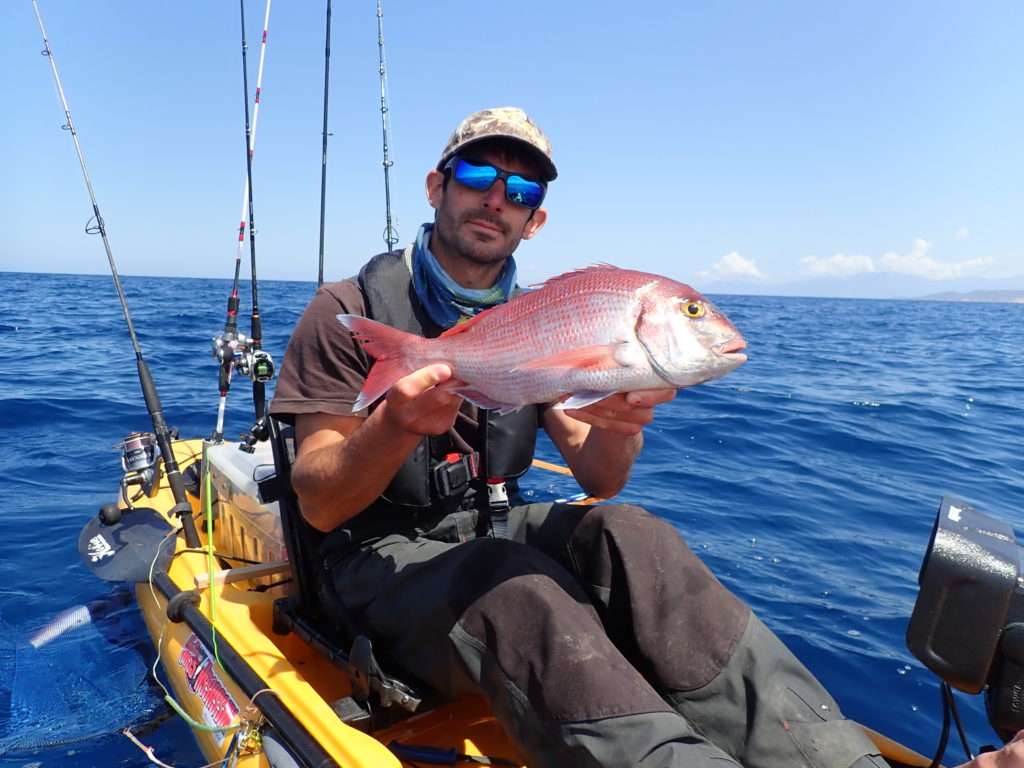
<point>453,475</point>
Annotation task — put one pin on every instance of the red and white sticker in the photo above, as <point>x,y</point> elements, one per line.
<point>219,709</point>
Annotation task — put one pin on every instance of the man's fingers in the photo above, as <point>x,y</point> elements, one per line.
<point>648,398</point>
<point>616,424</point>
<point>416,383</point>
<point>451,384</point>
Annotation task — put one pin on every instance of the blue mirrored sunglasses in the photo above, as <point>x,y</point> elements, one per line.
<point>481,177</point>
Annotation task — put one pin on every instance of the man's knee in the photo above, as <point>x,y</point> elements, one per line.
<point>517,590</point>
<point>658,598</point>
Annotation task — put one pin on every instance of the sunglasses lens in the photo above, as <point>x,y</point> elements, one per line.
<point>481,177</point>
<point>524,192</point>
<point>478,177</point>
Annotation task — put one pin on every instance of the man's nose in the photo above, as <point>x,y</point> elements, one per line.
<point>495,196</point>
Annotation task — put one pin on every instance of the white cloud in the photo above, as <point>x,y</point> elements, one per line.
<point>839,265</point>
<point>961,233</point>
<point>918,262</point>
<point>732,265</point>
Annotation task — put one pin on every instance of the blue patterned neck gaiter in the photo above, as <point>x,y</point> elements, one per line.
<point>444,299</point>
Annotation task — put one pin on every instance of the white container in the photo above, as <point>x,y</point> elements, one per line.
<point>245,527</point>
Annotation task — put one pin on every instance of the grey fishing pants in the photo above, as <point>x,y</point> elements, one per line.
<point>598,638</point>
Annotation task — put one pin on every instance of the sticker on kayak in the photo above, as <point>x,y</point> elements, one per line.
<point>219,709</point>
<point>99,548</point>
<point>954,513</point>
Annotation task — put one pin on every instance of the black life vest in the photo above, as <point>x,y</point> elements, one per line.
<point>429,477</point>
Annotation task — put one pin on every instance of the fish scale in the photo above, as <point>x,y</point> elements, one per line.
<point>587,334</point>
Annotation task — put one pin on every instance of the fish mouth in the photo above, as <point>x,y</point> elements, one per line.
<point>732,349</point>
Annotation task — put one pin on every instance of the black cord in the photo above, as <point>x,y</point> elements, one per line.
<point>201,551</point>
<point>271,585</point>
<point>948,691</point>
<point>944,738</point>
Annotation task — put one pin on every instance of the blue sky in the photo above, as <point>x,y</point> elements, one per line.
<point>706,141</point>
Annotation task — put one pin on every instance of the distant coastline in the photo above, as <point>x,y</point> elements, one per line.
<point>852,289</point>
<point>1001,297</point>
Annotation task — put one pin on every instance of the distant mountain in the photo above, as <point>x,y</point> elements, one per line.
<point>877,285</point>
<point>1006,297</point>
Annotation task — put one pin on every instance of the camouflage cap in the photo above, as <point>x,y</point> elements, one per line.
<point>506,123</point>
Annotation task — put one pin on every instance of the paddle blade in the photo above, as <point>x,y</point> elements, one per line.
<point>125,551</point>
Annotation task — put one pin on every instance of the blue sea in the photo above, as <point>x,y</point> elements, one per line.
<point>808,480</point>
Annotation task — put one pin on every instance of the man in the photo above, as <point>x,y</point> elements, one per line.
<point>598,638</point>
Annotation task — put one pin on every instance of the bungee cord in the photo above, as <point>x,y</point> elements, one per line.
<point>97,225</point>
<point>230,344</point>
<point>390,232</point>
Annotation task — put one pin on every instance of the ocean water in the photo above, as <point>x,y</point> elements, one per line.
<point>808,480</point>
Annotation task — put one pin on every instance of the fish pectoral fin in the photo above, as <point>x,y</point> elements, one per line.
<point>464,325</point>
<point>480,400</point>
<point>599,357</point>
<point>582,399</point>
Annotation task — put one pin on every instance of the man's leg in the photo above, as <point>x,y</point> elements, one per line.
<point>501,619</point>
<point>702,648</point>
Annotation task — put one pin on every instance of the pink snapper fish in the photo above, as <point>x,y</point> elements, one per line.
<point>587,334</point>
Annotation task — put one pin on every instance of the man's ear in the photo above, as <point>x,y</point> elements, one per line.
<point>435,188</point>
<point>534,224</point>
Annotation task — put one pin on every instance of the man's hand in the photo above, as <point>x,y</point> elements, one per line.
<point>600,442</point>
<point>1010,756</point>
<point>418,405</point>
<point>345,462</point>
<point>625,413</point>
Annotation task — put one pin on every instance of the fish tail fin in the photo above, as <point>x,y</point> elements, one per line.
<point>383,375</point>
<point>389,348</point>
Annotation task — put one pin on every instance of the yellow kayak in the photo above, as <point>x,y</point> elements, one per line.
<point>265,696</point>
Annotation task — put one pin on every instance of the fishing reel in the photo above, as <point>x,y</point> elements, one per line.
<point>258,365</point>
<point>140,456</point>
<point>968,622</point>
<point>236,350</point>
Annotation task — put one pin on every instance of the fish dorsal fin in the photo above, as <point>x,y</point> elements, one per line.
<point>574,273</point>
<point>598,357</point>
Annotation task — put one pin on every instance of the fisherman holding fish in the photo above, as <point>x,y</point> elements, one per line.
<point>417,389</point>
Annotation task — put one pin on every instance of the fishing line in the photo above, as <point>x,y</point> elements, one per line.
<point>181,507</point>
<point>212,591</point>
<point>390,232</point>
<point>323,154</point>
<point>150,752</point>
<point>171,701</point>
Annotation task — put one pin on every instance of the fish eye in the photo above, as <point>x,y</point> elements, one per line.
<point>693,309</point>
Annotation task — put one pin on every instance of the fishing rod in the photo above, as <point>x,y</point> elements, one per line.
<point>390,233</point>
<point>96,225</point>
<point>231,348</point>
<point>323,156</point>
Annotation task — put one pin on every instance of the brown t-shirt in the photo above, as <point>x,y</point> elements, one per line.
<point>324,368</point>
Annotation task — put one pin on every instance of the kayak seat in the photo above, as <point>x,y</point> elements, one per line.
<point>378,699</point>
